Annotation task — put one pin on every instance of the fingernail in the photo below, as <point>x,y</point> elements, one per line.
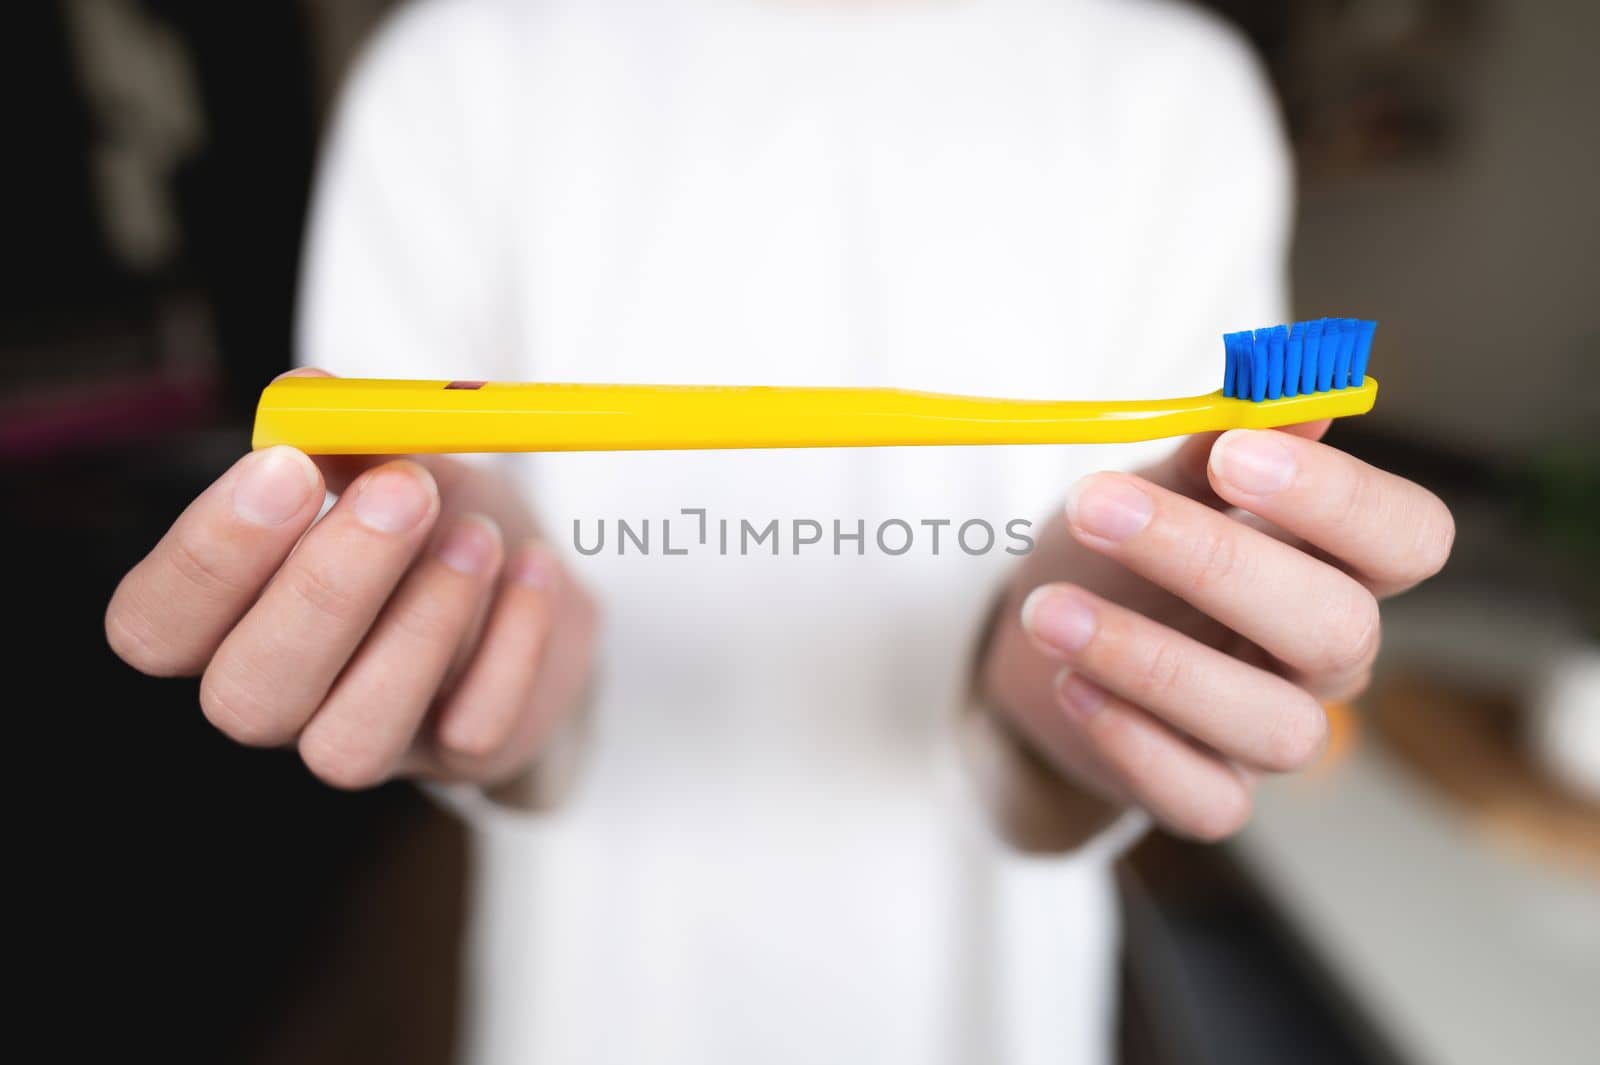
<point>471,546</point>
<point>394,499</point>
<point>273,485</point>
<point>1108,506</point>
<point>1082,698</point>
<point>1058,619</point>
<point>1253,461</point>
<point>534,566</point>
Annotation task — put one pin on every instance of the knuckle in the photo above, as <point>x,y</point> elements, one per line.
<point>422,620</point>
<point>1348,688</point>
<point>496,722</point>
<point>1436,539</point>
<point>1355,502</point>
<point>1363,648</point>
<point>1356,635</point>
<point>239,714</point>
<point>133,639</point>
<point>323,593</point>
<point>1296,736</point>
<point>1222,815</point>
<point>195,563</point>
<point>342,765</point>
<point>469,750</point>
<point>486,755</point>
<point>1166,668</point>
<point>1215,561</point>
<point>1124,746</point>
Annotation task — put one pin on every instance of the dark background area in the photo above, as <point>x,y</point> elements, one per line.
<point>217,904</point>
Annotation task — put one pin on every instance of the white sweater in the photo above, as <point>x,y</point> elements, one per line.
<point>773,855</point>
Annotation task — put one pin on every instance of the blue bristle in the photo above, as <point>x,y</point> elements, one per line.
<point>1308,368</point>
<point>1321,355</point>
<point>1293,352</point>
<point>1234,346</point>
<point>1260,360</point>
<point>1276,341</point>
<point>1241,387</point>
<point>1358,364</point>
<point>1332,341</point>
<point>1332,337</point>
<point>1318,342</point>
<point>1351,380</point>
<point>1347,349</point>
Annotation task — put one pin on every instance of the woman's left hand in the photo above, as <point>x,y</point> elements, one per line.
<point>1213,605</point>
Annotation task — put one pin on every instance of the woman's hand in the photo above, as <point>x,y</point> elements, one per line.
<point>1215,603</point>
<point>420,628</point>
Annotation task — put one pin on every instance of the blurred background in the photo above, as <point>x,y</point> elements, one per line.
<point>1431,894</point>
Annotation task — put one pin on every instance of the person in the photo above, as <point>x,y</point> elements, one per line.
<point>852,799</point>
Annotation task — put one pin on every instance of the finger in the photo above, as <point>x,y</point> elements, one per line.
<point>170,613</point>
<point>469,642</point>
<point>1246,713</point>
<point>1389,531</point>
<point>1014,684</point>
<point>497,692</point>
<point>1307,614</point>
<point>566,671</point>
<point>340,471</point>
<point>1188,790</point>
<point>278,663</point>
<point>367,722</point>
<point>1185,470</point>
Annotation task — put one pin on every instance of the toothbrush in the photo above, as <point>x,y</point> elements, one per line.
<point>1274,376</point>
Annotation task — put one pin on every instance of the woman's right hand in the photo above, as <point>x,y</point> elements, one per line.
<point>418,629</point>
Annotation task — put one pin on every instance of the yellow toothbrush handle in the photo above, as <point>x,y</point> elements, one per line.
<point>342,415</point>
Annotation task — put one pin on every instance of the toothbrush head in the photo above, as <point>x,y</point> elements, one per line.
<point>1324,355</point>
